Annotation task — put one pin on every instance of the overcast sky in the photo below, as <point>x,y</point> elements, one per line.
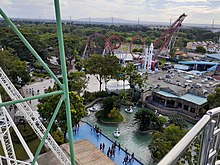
<point>198,11</point>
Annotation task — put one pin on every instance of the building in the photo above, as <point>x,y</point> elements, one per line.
<point>175,91</point>
<point>210,46</point>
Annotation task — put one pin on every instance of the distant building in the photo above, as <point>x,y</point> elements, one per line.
<point>210,46</point>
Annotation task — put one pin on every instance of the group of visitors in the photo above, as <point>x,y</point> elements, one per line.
<point>76,129</point>
<point>111,150</point>
<point>128,158</point>
<point>96,129</point>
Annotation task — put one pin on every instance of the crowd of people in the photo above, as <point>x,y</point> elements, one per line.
<point>111,152</point>
<point>96,129</point>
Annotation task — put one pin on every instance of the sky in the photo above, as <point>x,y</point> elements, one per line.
<point>198,11</point>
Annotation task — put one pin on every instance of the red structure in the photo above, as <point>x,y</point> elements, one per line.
<point>114,42</point>
<point>101,46</point>
<point>168,34</point>
<point>131,46</point>
<point>165,38</point>
<point>92,46</point>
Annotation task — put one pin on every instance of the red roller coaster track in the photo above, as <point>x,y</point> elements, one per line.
<point>110,44</point>
<point>165,37</point>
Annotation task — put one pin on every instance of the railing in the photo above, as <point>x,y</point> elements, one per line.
<point>201,142</point>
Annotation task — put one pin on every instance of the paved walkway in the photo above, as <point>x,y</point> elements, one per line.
<point>85,132</point>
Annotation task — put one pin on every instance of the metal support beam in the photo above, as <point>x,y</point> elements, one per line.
<point>65,80</point>
<point>47,130</point>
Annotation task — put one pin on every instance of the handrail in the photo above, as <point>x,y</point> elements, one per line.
<point>182,145</point>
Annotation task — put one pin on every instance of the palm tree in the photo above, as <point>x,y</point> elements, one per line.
<point>146,120</point>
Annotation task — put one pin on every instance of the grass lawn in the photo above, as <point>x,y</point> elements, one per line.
<point>29,136</point>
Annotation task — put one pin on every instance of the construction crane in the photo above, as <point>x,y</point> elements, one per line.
<point>168,35</point>
<point>32,120</point>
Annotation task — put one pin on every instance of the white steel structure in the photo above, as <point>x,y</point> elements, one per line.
<point>6,123</point>
<point>32,120</point>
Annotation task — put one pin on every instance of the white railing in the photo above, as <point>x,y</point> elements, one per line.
<point>208,129</point>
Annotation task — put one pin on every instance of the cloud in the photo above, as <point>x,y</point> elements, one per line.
<point>199,11</point>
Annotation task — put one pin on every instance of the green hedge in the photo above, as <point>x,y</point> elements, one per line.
<point>89,97</point>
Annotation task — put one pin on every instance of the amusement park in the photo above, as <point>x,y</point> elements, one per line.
<point>87,94</point>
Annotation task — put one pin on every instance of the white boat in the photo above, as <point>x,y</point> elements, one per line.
<point>116,133</point>
<point>93,109</point>
<point>129,110</point>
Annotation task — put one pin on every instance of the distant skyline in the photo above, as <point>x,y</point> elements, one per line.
<point>198,11</point>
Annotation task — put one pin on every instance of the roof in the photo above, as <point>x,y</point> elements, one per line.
<point>194,99</point>
<point>187,97</point>
<point>197,62</point>
<point>215,56</point>
<point>181,67</point>
<point>166,94</point>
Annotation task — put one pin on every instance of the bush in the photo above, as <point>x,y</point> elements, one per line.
<point>89,97</point>
<point>113,116</point>
<point>58,137</point>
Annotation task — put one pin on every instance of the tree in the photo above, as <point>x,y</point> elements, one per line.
<point>10,39</point>
<point>109,103</point>
<point>102,67</point>
<point>77,81</point>
<point>72,45</point>
<point>14,68</point>
<point>172,52</point>
<point>147,120</point>
<point>200,49</point>
<point>162,143</point>
<point>47,107</point>
<point>214,99</point>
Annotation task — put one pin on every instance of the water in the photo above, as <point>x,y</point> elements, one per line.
<point>130,138</point>
<point>85,132</point>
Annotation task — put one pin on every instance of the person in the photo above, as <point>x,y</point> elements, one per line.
<point>119,146</point>
<point>103,146</point>
<point>126,151</point>
<point>125,160</point>
<point>113,152</point>
<point>100,146</point>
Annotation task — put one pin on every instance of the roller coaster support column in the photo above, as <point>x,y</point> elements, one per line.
<point>65,81</point>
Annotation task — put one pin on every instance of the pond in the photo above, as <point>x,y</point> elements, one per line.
<point>130,138</point>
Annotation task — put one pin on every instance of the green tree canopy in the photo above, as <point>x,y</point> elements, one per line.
<point>77,81</point>
<point>47,107</point>
<point>162,143</point>
<point>214,99</point>
<point>147,120</point>
<point>14,68</point>
<point>200,49</point>
<point>102,67</point>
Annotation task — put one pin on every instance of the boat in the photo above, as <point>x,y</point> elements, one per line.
<point>93,109</point>
<point>129,110</point>
<point>116,133</point>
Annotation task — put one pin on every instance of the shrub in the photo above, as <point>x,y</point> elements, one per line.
<point>58,137</point>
